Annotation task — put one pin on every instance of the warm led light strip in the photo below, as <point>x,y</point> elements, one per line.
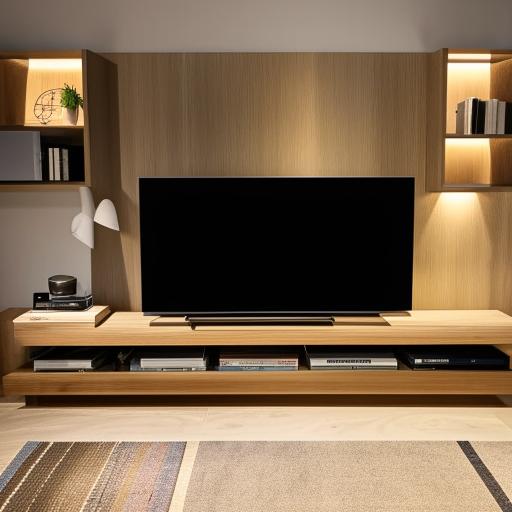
<point>55,64</point>
<point>469,57</point>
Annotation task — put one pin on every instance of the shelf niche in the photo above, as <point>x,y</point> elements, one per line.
<point>467,162</point>
<point>25,75</point>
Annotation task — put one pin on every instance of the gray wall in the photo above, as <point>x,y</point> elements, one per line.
<point>255,25</point>
<point>36,242</point>
<point>34,227</point>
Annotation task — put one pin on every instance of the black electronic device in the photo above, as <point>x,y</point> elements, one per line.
<point>267,246</point>
<point>455,357</point>
<point>45,301</point>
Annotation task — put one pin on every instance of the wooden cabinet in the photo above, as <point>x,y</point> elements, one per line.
<point>24,76</point>
<point>466,162</point>
<point>133,329</point>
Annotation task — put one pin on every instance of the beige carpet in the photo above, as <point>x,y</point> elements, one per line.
<point>350,476</point>
<point>259,477</point>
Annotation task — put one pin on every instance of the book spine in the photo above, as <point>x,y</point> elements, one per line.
<point>500,122</point>
<point>65,164</point>
<point>474,115</point>
<point>480,117</point>
<point>51,170</point>
<point>56,164</point>
<point>508,118</point>
<point>257,368</point>
<point>355,367</point>
<point>351,361</point>
<point>258,362</point>
<point>459,120</point>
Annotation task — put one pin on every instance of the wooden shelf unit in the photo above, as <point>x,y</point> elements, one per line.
<point>133,329</point>
<point>466,162</point>
<point>302,382</point>
<point>25,75</point>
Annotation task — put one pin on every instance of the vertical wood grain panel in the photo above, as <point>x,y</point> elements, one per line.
<point>101,149</point>
<point>13,86</point>
<point>300,114</point>
<point>12,354</point>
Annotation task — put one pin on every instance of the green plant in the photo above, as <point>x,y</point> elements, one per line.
<point>69,98</point>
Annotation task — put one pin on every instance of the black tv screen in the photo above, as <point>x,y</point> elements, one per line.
<point>276,245</point>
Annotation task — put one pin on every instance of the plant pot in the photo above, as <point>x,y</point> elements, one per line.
<point>70,116</point>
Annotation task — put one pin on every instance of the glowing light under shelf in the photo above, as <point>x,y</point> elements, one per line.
<point>55,64</point>
<point>470,57</point>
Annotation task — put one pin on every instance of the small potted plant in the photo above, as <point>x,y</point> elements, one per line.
<point>70,101</point>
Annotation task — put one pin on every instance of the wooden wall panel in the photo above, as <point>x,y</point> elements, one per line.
<point>13,86</point>
<point>298,114</point>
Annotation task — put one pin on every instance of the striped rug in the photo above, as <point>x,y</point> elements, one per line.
<point>259,477</point>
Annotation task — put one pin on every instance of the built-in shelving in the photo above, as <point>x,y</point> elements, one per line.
<point>25,75</point>
<point>302,382</point>
<point>134,329</point>
<point>466,162</point>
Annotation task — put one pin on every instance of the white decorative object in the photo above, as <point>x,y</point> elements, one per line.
<point>87,201</point>
<point>82,225</point>
<point>70,115</point>
<point>82,228</point>
<point>106,215</point>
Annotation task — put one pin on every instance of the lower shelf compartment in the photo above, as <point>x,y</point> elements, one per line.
<point>400,382</point>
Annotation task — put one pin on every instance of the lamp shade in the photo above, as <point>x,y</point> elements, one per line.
<point>82,228</point>
<point>86,201</point>
<point>106,215</point>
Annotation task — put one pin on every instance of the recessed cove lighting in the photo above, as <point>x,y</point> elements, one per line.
<point>55,64</point>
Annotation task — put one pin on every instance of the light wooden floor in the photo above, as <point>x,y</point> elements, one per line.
<point>19,424</point>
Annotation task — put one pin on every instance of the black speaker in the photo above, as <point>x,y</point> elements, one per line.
<point>62,285</point>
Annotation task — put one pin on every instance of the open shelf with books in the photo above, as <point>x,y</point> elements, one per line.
<point>470,155</point>
<point>133,334</point>
<point>65,155</point>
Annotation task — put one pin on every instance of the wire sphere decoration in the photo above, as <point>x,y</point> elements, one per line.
<point>46,104</point>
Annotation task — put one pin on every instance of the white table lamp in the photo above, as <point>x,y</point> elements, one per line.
<point>82,225</point>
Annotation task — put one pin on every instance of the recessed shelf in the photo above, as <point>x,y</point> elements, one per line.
<point>478,136</point>
<point>38,186</point>
<point>472,162</point>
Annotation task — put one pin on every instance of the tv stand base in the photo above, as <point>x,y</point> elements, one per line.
<point>290,321</point>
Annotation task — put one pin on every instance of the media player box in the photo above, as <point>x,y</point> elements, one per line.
<point>44,301</point>
<point>474,357</point>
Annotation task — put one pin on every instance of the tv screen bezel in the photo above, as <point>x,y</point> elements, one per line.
<point>269,313</point>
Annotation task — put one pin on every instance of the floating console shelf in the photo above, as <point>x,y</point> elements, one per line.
<point>133,329</point>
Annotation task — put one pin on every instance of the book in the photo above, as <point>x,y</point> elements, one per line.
<point>237,360</point>
<point>480,117</point>
<point>71,359</point>
<point>65,164</point>
<point>491,116</point>
<point>51,172</point>
<point>324,358</point>
<point>508,118</point>
<point>258,360</point>
<point>253,368</point>
<point>92,316</point>
<point>476,357</point>
<point>460,123</point>
<point>467,116</point>
<point>56,164</point>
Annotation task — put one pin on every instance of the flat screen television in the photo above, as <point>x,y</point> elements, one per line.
<point>276,245</point>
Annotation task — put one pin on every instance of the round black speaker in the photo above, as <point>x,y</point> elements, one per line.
<point>62,285</point>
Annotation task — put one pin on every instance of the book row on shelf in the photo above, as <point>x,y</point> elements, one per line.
<point>62,163</point>
<point>315,358</point>
<point>488,117</point>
